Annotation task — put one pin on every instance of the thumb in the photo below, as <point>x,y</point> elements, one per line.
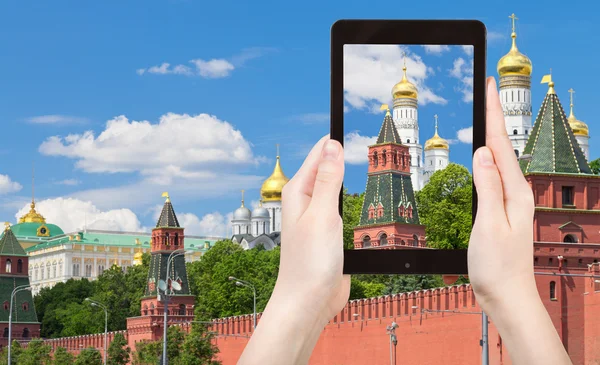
<point>490,196</point>
<point>330,174</point>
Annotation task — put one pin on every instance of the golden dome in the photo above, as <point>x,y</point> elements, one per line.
<point>32,216</point>
<point>137,258</point>
<point>404,89</point>
<point>272,187</point>
<point>514,62</point>
<point>436,142</point>
<point>579,128</point>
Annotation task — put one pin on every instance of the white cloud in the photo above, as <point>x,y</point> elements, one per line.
<point>56,119</point>
<point>495,36</point>
<point>214,68</point>
<point>468,50</point>
<point>8,186</point>
<point>70,182</point>
<point>356,148</point>
<point>463,71</point>
<point>465,135</point>
<point>436,49</point>
<point>370,72</point>
<point>73,214</point>
<point>212,224</point>
<point>311,118</point>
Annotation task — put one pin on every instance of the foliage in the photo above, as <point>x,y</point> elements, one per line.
<point>89,356</point>
<point>63,357</point>
<point>595,166</point>
<point>175,338</point>
<point>366,286</point>
<point>198,348</point>
<point>352,206</point>
<point>147,353</point>
<point>16,351</point>
<point>445,208</point>
<point>36,353</point>
<point>118,351</point>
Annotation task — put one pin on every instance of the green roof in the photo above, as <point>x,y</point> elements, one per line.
<point>388,132</point>
<point>392,190</point>
<point>30,230</point>
<point>551,144</point>
<point>9,246</point>
<point>20,315</point>
<point>167,216</point>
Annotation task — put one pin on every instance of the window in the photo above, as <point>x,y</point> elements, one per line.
<point>553,290</point>
<point>151,308</point>
<point>567,195</point>
<point>5,332</point>
<point>8,266</point>
<point>182,309</point>
<point>20,266</point>
<point>25,306</point>
<point>515,131</point>
<point>550,261</point>
<point>35,274</point>
<point>430,162</point>
<point>415,240</point>
<point>371,212</point>
<point>167,242</point>
<point>75,270</point>
<point>580,262</point>
<point>54,271</point>
<point>526,131</point>
<point>570,239</point>
<point>42,271</point>
<point>6,305</point>
<point>383,240</point>
<point>403,160</point>
<point>384,157</point>
<point>88,271</point>
<point>408,141</point>
<point>517,153</point>
<point>145,309</point>
<point>401,211</point>
<point>48,268</point>
<point>395,155</point>
<point>535,260</point>
<point>26,333</point>
<point>366,242</point>
<point>375,159</point>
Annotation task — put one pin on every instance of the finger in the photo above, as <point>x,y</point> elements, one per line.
<point>513,182</point>
<point>490,197</point>
<point>297,192</point>
<point>328,181</point>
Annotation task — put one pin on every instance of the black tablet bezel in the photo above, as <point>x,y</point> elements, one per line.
<point>422,32</point>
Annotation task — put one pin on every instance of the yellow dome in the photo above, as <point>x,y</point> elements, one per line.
<point>137,258</point>
<point>514,62</point>
<point>404,89</point>
<point>579,128</point>
<point>272,187</point>
<point>436,142</point>
<point>32,216</point>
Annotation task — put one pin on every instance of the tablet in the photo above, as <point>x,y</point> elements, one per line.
<point>408,105</point>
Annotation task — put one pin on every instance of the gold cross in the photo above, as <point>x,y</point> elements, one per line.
<point>242,198</point>
<point>571,91</point>
<point>404,56</point>
<point>513,17</point>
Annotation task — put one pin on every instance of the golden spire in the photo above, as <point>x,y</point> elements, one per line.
<point>436,142</point>
<point>272,187</point>
<point>514,62</point>
<point>32,216</point>
<point>571,115</point>
<point>547,79</point>
<point>166,195</point>
<point>404,89</point>
<point>578,127</point>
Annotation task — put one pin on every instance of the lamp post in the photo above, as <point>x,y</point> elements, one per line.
<point>247,284</point>
<point>12,295</point>
<point>391,330</point>
<point>166,301</point>
<point>98,304</point>
<point>485,358</point>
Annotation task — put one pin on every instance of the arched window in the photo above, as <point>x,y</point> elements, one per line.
<point>408,141</point>
<point>395,156</point>
<point>20,266</point>
<point>8,266</point>
<point>145,309</point>
<point>6,305</point>
<point>375,159</point>
<point>151,309</point>
<point>366,241</point>
<point>526,131</point>
<point>553,290</point>
<point>54,271</point>
<point>176,239</point>
<point>383,240</point>
<point>403,160</point>
<point>415,240</point>
<point>5,332</point>
<point>570,239</point>
<point>26,333</point>
<point>515,131</point>
<point>167,239</point>
<point>517,153</point>
<point>384,157</point>
<point>182,309</point>
<point>25,306</point>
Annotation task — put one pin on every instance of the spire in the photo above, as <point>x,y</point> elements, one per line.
<point>552,144</point>
<point>547,79</point>
<point>167,215</point>
<point>436,120</point>
<point>32,216</point>
<point>571,115</point>
<point>514,63</point>
<point>388,132</point>
<point>242,198</point>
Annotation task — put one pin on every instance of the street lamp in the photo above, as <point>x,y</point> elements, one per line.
<point>247,284</point>
<point>98,304</point>
<point>12,295</point>
<point>391,330</point>
<point>166,298</point>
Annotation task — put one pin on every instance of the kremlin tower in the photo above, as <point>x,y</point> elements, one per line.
<point>389,217</point>
<point>515,93</point>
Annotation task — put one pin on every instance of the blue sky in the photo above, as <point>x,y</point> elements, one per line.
<point>268,84</point>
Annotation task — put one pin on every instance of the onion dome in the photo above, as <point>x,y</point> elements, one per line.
<point>404,89</point>
<point>579,128</point>
<point>260,212</point>
<point>242,213</point>
<point>514,63</point>
<point>32,216</point>
<point>272,187</point>
<point>436,142</point>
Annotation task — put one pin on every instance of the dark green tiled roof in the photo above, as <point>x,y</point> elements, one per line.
<point>551,144</point>
<point>158,270</point>
<point>19,315</point>
<point>392,190</point>
<point>388,132</point>
<point>10,246</point>
<point>167,217</point>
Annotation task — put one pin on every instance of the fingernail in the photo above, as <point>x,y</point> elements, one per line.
<point>331,150</point>
<point>485,156</point>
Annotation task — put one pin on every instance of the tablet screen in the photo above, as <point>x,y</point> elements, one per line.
<point>408,131</point>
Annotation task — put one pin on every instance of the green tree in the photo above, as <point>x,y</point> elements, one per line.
<point>445,208</point>
<point>118,351</point>
<point>16,351</point>
<point>595,166</point>
<point>147,353</point>
<point>63,357</point>
<point>175,337</point>
<point>89,356</point>
<point>351,210</point>
<point>198,348</point>
<point>36,353</point>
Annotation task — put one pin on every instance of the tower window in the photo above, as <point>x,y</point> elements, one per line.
<point>570,239</point>
<point>25,306</point>
<point>408,141</point>
<point>182,309</point>
<point>5,332</point>
<point>375,159</point>
<point>567,195</point>
<point>526,131</point>
<point>20,266</point>
<point>515,132</point>
<point>8,266</point>
<point>415,240</point>
<point>366,242</point>
<point>553,290</point>
<point>26,333</point>
<point>395,157</point>
<point>6,305</point>
<point>384,157</point>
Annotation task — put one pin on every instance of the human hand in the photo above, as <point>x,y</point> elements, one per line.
<point>500,254</point>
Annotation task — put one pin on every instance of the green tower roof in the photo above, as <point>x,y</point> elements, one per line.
<point>551,144</point>
<point>167,216</point>
<point>388,132</point>
<point>9,246</point>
